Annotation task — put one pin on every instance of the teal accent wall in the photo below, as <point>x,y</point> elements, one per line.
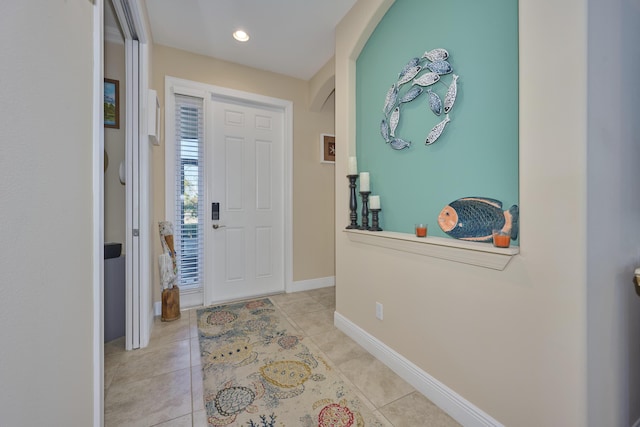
<point>477,155</point>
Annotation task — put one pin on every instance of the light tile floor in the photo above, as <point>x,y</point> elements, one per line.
<point>161,385</point>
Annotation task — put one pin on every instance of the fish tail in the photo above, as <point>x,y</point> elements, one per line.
<point>515,221</point>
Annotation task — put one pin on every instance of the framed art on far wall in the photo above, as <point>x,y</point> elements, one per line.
<point>327,148</point>
<point>111,104</point>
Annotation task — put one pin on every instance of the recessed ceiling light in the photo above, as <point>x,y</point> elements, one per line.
<point>241,36</point>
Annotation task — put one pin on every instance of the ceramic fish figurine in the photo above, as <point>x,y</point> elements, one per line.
<point>436,55</point>
<point>435,103</point>
<point>410,74</point>
<point>475,218</point>
<point>393,121</point>
<point>412,63</point>
<point>399,144</point>
<point>411,94</point>
<point>427,79</point>
<point>437,131</point>
<point>450,97</point>
<point>440,67</point>
<point>384,130</point>
<point>390,99</point>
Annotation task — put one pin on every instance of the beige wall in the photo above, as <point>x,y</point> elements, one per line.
<point>114,146</point>
<point>46,213</point>
<point>511,342</point>
<point>313,221</point>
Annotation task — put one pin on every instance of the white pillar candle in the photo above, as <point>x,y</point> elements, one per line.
<point>364,181</point>
<point>353,166</point>
<point>374,202</point>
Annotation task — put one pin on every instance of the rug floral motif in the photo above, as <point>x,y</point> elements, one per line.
<point>258,371</point>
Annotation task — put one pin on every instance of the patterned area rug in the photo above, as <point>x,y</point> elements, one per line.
<point>259,372</point>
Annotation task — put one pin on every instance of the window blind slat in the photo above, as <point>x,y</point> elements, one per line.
<point>189,204</point>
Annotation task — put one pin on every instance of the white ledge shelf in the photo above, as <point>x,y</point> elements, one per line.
<point>473,253</point>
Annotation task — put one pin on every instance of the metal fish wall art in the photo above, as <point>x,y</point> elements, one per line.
<point>384,130</point>
<point>390,99</point>
<point>426,79</point>
<point>440,67</point>
<point>423,72</point>
<point>450,97</point>
<point>411,94</point>
<point>435,103</point>
<point>475,218</point>
<point>436,54</point>
<point>412,63</point>
<point>393,121</point>
<point>437,131</point>
<point>399,144</point>
<point>410,74</point>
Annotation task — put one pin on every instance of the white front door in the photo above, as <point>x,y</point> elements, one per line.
<point>245,177</point>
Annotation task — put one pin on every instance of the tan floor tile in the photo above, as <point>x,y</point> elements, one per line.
<point>200,419</point>
<point>197,388</point>
<point>377,382</point>
<point>184,421</point>
<point>314,323</point>
<point>301,306</point>
<point>164,332</point>
<point>150,401</point>
<point>160,359</point>
<point>415,409</point>
<point>385,422</point>
<point>338,346</point>
<point>282,298</point>
<point>115,346</point>
<point>328,301</point>
<point>196,360</point>
<point>112,362</point>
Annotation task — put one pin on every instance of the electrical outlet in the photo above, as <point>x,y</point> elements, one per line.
<point>379,311</point>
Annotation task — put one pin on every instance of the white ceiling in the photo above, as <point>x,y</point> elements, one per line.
<point>291,37</point>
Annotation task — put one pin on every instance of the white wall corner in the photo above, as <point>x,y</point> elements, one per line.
<point>307,285</point>
<point>448,400</point>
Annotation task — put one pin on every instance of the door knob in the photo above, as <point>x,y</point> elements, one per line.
<point>216,226</point>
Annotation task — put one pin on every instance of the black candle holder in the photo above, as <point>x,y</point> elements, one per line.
<point>353,203</point>
<point>365,210</point>
<point>374,220</point>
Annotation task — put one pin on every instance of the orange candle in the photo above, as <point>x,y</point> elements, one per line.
<point>501,240</point>
<point>421,230</point>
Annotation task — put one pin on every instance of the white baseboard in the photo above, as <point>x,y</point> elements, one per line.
<point>307,285</point>
<point>157,308</point>
<point>452,403</point>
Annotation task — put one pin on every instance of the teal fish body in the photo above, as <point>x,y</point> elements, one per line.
<point>435,103</point>
<point>400,144</point>
<point>475,218</point>
<point>439,67</point>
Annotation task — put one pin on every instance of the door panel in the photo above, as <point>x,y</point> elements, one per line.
<point>245,174</point>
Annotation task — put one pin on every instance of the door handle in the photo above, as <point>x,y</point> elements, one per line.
<point>216,226</point>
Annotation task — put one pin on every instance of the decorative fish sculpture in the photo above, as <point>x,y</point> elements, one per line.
<point>437,131</point>
<point>436,54</point>
<point>390,99</point>
<point>400,144</point>
<point>410,74</point>
<point>412,63</point>
<point>427,79</point>
<point>475,218</point>
<point>384,130</point>
<point>411,94</point>
<point>440,67</point>
<point>435,103</point>
<point>393,121</point>
<point>450,97</point>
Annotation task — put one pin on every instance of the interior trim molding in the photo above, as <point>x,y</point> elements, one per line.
<point>310,284</point>
<point>473,253</point>
<point>451,402</point>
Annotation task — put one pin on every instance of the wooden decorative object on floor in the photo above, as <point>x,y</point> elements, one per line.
<point>170,304</point>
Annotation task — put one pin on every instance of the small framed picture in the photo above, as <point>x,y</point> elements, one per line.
<point>327,148</point>
<point>111,104</point>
